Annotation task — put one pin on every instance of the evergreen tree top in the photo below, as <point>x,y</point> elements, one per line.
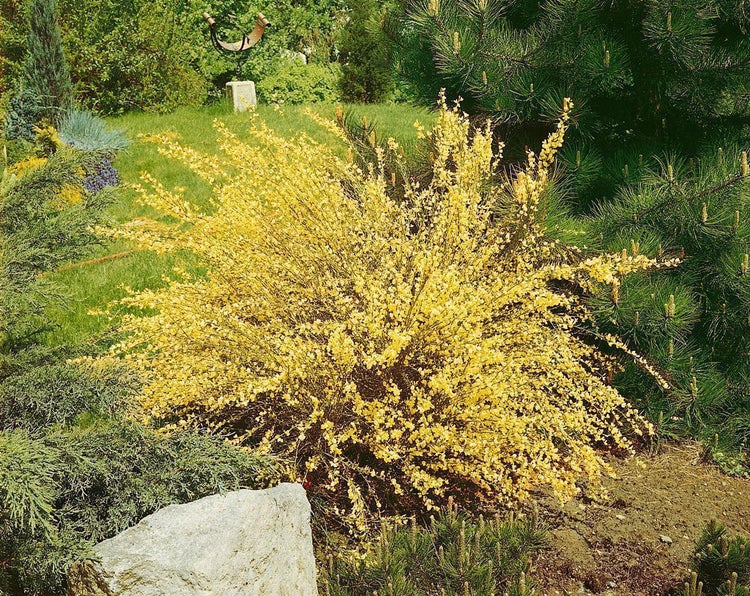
<point>46,73</point>
<point>666,70</point>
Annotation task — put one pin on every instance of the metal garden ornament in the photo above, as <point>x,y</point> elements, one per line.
<point>238,49</point>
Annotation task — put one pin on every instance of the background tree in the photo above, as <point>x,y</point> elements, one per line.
<point>139,55</point>
<point>155,56</point>
<point>366,74</point>
<point>14,27</point>
<point>46,73</point>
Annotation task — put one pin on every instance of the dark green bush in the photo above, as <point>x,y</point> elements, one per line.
<point>646,78</point>
<point>366,74</point>
<point>72,486</point>
<point>55,392</point>
<point>25,109</point>
<point>696,210</point>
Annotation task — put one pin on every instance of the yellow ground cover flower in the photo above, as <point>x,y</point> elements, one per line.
<point>400,351</point>
<point>71,195</point>
<point>26,165</point>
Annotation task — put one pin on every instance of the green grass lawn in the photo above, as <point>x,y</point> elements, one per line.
<point>95,283</point>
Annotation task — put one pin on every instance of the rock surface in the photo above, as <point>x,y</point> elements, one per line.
<point>245,542</point>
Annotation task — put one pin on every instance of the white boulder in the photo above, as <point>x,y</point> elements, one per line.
<point>245,542</point>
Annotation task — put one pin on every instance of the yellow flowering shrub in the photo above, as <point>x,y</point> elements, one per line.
<point>398,351</point>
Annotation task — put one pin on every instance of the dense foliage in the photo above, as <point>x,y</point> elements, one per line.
<point>644,77</point>
<point>400,351</point>
<point>366,74</point>
<point>135,55</point>
<point>73,469</point>
<point>14,27</point>
<point>157,55</point>
<point>298,83</point>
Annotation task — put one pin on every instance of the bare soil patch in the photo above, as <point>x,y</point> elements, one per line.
<point>639,538</point>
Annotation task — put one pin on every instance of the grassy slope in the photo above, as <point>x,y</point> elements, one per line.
<point>92,285</point>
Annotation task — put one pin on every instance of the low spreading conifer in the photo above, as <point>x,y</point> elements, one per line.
<point>73,469</point>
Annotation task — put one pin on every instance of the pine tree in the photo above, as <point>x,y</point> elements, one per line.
<point>658,86</point>
<point>692,320</point>
<point>46,73</point>
<point>645,77</point>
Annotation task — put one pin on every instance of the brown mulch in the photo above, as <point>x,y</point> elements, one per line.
<point>640,537</point>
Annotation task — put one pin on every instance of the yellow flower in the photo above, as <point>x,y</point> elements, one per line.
<point>27,165</point>
<point>71,195</point>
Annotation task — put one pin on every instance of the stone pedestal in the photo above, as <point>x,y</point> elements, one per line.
<point>242,95</point>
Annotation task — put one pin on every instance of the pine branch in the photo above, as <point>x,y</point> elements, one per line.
<point>701,195</point>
